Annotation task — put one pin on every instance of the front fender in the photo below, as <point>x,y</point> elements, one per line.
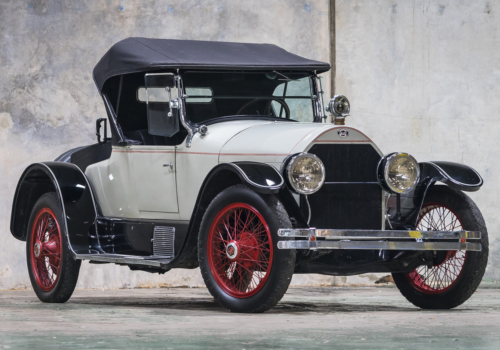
<point>455,175</point>
<point>260,176</point>
<point>75,195</point>
<point>458,176</point>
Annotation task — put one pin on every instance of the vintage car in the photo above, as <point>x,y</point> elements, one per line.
<point>222,157</point>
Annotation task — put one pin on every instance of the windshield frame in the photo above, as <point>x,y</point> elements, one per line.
<point>314,97</point>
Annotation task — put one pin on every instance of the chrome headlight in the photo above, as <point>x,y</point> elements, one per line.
<point>398,173</point>
<point>305,173</point>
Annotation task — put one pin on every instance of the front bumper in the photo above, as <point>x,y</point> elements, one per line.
<point>315,239</point>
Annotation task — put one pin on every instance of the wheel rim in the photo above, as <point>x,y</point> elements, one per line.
<point>439,278</point>
<point>46,249</point>
<point>240,250</point>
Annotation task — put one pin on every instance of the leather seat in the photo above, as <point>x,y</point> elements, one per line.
<point>152,140</point>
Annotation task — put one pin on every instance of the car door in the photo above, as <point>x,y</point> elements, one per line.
<point>153,162</point>
<point>154,178</point>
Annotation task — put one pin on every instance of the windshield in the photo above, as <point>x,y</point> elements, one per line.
<point>270,95</point>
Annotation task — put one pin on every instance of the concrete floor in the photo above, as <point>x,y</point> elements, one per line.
<point>307,318</point>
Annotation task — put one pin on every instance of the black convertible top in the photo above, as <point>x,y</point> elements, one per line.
<point>141,54</point>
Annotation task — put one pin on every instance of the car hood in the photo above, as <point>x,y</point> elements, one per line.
<point>272,142</point>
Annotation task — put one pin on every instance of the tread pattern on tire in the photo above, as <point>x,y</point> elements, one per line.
<point>468,283</point>
<point>285,278</point>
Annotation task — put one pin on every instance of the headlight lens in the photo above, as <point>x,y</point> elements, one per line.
<point>401,172</point>
<point>306,173</point>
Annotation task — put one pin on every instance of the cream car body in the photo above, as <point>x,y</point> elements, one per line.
<point>158,182</point>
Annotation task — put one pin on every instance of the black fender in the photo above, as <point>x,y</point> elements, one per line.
<point>266,179</point>
<point>457,176</point>
<point>261,177</point>
<point>75,195</point>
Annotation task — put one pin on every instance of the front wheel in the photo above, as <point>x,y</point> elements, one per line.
<point>237,250</point>
<point>455,275</point>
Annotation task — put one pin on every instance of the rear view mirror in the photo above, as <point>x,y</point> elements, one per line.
<point>162,105</point>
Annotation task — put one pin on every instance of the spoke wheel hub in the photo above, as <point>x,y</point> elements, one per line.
<point>245,250</point>
<point>232,250</point>
<point>37,249</point>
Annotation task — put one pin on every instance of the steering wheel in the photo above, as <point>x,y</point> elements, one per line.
<point>267,109</point>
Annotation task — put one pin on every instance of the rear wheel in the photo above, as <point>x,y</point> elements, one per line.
<point>52,269</point>
<point>455,275</point>
<point>237,250</point>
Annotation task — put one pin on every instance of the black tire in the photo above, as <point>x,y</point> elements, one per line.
<point>474,263</point>
<point>283,261</point>
<point>62,289</point>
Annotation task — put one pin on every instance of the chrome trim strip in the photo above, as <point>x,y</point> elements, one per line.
<point>332,234</point>
<point>125,259</point>
<point>191,129</point>
<point>384,210</point>
<point>359,142</point>
<point>384,245</point>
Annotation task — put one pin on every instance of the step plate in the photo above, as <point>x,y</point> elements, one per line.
<point>152,261</point>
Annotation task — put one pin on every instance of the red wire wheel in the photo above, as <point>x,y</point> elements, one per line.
<point>439,278</point>
<point>240,250</point>
<point>46,249</point>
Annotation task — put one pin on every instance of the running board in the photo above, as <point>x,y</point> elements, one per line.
<point>151,261</point>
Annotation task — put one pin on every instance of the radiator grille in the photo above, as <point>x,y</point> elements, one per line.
<point>351,197</point>
<point>163,241</point>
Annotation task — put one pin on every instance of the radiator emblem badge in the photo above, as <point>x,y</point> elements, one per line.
<point>343,133</point>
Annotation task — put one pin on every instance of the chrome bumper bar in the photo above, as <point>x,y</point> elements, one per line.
<point>314,239</point>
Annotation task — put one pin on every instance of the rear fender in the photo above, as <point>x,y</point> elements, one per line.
<point>75,195</point>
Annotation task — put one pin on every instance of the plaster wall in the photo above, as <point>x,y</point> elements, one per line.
<point>49,103</point>
<point>423,77</point>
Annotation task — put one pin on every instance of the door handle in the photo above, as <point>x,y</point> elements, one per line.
<point>171,165</point>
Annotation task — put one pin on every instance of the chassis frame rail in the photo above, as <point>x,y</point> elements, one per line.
<point>314,239</point>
